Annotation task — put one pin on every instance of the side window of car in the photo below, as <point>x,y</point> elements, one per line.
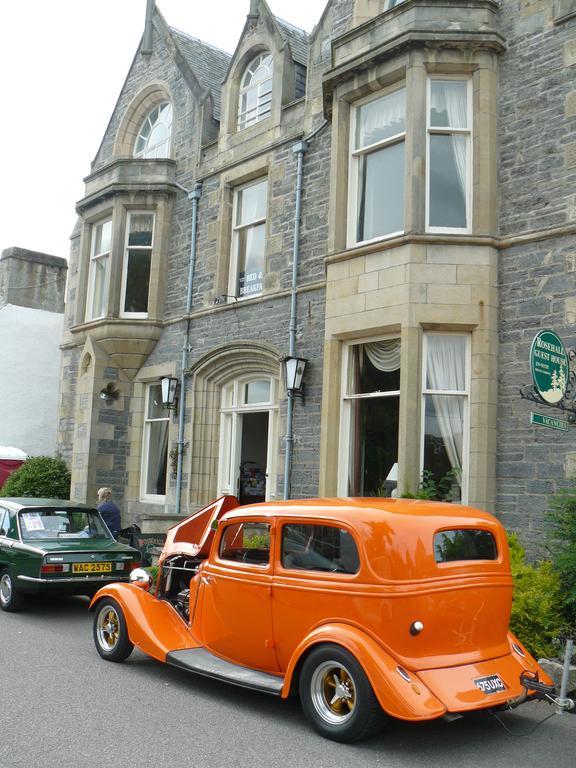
<point>12,519</point>
<point>4,522</point>
<point>247,542</point>
<point>319,548</point>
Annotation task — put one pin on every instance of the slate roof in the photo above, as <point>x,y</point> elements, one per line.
<point>208,63</point>
<point>297,39</point>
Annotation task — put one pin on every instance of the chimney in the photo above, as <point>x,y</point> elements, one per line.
<point>146,49</point>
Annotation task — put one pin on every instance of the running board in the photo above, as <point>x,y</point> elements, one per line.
<point>202,662</point>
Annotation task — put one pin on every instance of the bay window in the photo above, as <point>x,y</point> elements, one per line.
<point>377,167</point>
<point>445,411</point>
<point>137,263</point>
<point>449,163</point>
<point>370,418</point>
<point>248,240</point>
<point>98,274</point>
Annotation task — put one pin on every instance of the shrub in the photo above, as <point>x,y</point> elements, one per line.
<point>562,548</point>
<point>39,477</point>
<point>536,617</point>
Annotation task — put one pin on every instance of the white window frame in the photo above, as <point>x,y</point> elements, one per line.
<point>148,152</point>
<point>127,248</point>
<point>230,433</point>
<point>236,229</point>
<point>259,114</point>
<point>346,405</point>
<point>466,132</point>
<point>354,157</point>
<point>456,393</point>
<point>144,495</point>
<point>94,257</point>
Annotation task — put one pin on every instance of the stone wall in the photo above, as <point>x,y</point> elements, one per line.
<point>537,274</point>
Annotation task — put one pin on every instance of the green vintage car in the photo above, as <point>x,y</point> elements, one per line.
<point>57,547</point>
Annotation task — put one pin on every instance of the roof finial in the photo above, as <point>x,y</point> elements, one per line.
<point>253,13</point>
<point>146,49</point>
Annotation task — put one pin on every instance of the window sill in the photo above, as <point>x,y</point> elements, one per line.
<point>429,238</point>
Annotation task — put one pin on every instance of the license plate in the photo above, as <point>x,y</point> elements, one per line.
<point>490,684</point>
<point>91,567</point>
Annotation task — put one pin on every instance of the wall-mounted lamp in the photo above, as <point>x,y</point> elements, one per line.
<point>293,371</point>
<point>169,391</point>
<point>109,393</point>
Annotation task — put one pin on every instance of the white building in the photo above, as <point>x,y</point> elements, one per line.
<point>31,319</point>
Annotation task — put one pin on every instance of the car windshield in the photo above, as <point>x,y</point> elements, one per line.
<point>54,523</point>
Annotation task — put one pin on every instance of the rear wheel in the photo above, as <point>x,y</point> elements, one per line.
<point>10,598</point>
<point>337,697</point>
<point>110,631</point>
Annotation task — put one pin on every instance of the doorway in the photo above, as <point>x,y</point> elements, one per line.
<point>252,475</point>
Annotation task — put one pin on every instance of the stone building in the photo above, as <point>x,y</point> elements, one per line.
<point>401,178</point>
<point>32,288</point>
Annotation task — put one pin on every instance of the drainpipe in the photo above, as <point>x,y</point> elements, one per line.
<point>299,149</point>
<point>194,197</point>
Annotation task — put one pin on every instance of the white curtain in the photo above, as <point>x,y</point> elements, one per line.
<point>381,118</point>
<point>446,370</point>
<point>451,97</point>
<point>384,355</point>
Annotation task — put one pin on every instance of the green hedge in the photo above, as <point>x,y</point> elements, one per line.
<point>39,477</point>
<point>537,619</point>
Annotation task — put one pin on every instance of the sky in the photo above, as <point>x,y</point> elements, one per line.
<point>62,65</point>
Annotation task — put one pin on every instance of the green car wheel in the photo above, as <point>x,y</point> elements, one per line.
<point>10,598</point>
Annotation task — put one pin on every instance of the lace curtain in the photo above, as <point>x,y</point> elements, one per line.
<point>446,370</point>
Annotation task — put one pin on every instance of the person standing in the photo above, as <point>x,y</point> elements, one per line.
<point>109,511</point>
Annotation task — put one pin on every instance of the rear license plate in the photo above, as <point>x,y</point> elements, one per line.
<point>91,567</point>
<point>490,684</point>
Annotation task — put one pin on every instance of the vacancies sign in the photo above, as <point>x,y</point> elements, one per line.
<point>549,366</point>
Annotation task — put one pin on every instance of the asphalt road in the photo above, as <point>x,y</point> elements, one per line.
<point>62,706</point>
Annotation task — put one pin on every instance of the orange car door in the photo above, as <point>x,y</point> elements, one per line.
<point>235,619</point>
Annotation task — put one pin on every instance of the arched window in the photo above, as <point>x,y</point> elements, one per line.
<point>154,136</point>
<point>255,99</point>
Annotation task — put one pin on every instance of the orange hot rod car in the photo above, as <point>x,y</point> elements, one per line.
<point>362,606</point>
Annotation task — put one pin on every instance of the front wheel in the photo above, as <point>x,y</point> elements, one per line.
<point>337,697</point>
<point>110,632</point>
<point>10,598</point>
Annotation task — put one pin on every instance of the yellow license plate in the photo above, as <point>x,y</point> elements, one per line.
<point>91,567</point>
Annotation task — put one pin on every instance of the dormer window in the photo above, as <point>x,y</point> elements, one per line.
<point>154,136</point>
<point>254,103</point>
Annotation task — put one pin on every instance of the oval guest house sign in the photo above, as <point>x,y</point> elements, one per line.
<point>549,366</point>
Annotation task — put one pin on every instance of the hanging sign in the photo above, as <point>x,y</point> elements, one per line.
<point>549,366</point>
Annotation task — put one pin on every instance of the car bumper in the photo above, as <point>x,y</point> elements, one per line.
<point>477,686</point>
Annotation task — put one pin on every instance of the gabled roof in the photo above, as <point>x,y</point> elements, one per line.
<point>208,63</point>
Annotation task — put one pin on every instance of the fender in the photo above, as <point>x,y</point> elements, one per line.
<point>398,697</point>
<point>153,625</point>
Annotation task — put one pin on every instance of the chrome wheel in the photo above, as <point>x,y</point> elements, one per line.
<point>110,631</point>
<point>336,695</point>
<point>333,692</point>
<point>108,628</point>
<point>5,589</point>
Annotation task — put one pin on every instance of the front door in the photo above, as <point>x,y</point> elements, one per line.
<point>235,605</point>
<point>248,439</point>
